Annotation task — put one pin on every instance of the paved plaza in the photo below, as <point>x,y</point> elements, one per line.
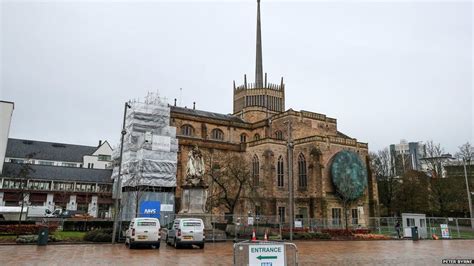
<point>310,253</point>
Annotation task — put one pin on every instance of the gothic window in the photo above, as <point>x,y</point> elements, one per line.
<point>279,135</point>
<point>217,134</point>
<point>280,172</point>
<point>187,130</point>
<point>243,138</point>
<point>255,171</point>
<point>302,176</point>
<point>256,136</point>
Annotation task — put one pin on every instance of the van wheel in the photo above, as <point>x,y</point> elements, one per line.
<point>131,246</point>
<point>201,246</point>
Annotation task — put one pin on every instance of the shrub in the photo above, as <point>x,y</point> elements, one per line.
<point>34,238</point>
<point>100,235</point>
<point>24,229</point>
<point>371,237</point>
<point>345,232</point>
<point>307,236</point>
<point>86,225</point>
<point>361,231</point>
<point>337,232</point>
<point>287,229</point>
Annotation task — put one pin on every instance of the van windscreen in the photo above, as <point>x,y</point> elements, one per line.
<point>146,223</point>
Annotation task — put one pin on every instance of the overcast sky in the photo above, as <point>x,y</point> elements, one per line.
<point>385,70</point>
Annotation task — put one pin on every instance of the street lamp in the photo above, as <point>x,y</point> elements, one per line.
<point>118,187</point>
<point>290,178</point>
<point>467,159</point>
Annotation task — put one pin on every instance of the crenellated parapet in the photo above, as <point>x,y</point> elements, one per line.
<point>269,96</point>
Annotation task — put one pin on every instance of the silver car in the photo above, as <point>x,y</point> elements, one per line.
<point>186,231</point>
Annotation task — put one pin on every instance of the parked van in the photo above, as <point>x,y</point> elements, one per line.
<point>143,231</point>
<point>186,231</point>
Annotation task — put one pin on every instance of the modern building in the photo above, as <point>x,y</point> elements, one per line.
<point>406,156</point>
<point>58,175</point>
<point>258,129</point>
<point>455,169</point>
<point>6,112</point>
<point>54,175</point>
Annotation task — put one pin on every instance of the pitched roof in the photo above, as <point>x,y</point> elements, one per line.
<point>21,148</point>
<point>195,112</point>
<point>56,173</point>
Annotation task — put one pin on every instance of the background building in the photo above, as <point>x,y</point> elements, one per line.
<point>6,112</point>
<point>54,175</point>
<point>406,156</point>
<point>66,176</point>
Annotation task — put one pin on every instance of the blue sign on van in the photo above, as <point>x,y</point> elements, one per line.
<point>150,209</point>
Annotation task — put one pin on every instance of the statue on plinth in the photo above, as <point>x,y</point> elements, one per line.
<point>195,168</point>
<point>194,189</point>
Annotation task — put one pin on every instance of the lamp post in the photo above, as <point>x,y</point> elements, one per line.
<point>465,160</point>
<point>118,187</point>
<point>290,178</point>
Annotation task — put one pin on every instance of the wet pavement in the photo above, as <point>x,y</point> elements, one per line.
<point>310,253</point>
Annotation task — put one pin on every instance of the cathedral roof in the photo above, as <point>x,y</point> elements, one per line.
<point>206,114</point>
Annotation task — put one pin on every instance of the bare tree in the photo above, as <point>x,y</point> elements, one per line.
<point>23,176</point>
<point>231,179</point>
<point>386,180</point>
<point>348,192</point>
<point>434,159</point>
<point>466,151</point>
<point>137,188</point>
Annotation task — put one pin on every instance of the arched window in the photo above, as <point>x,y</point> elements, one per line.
<point>278,135</point>
<point>280,172</point>
<point>255,171</point>
<point>187,130</point>
<point>217,134</point>
<point>256,136</point>
<point>302,177</point>
<point>243,138</point>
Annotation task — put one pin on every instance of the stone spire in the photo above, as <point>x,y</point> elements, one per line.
<point>258,63</point>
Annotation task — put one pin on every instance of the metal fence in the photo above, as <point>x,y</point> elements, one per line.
<point>459,228</point>
<point>241,227</point>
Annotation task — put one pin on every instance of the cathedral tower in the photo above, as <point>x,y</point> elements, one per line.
<point>259,100</point>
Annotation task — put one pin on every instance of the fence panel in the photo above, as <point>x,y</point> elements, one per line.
<point>241,227</point>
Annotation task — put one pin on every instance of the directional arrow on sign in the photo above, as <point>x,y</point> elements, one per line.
<point>266,257</point>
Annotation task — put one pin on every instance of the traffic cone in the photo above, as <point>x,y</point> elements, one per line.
<point>254,238</point>
<point>265,238</point>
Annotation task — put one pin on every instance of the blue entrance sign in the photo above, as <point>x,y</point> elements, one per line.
<point>150,209</point>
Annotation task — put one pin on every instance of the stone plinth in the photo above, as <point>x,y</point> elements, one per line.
<point>193,200</point>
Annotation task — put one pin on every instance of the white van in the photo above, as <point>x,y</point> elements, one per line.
<point>186,231</point>
<point>143,231</point>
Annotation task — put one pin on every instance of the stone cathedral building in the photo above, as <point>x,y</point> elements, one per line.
<point>258,128</point>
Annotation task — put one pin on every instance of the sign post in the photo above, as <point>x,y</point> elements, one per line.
<point>267,255</point>
<point>444,231</point>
